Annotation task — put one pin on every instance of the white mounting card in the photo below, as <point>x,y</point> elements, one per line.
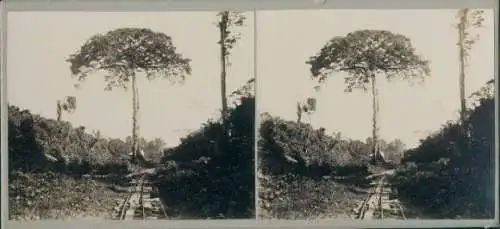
<point>277,113</point>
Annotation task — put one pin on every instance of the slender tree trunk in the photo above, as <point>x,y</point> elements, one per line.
<point>137,117</point>
<point>59,111</point>
<point>223,56</point>
<point>135,126</point>
<point>299,113</point>
<point>375,106</point>
<point>461,38</point>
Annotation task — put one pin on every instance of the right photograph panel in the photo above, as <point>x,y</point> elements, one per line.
<point>376,114</point>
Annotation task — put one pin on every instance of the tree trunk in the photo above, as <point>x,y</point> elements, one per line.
<point>137,117</point>
<point>299,113</point>
<point>375,106</point>
<point>223,55</point>
<point>59,110</point>
<point>135,111</point>
<point>461,38</point>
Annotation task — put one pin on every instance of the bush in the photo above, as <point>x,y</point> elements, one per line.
<point>451,174</point>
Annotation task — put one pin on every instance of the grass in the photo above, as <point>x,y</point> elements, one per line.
<point>54,196</point>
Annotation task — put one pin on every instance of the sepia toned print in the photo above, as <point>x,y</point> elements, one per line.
<point>376,114</point>
<point>131,115</point>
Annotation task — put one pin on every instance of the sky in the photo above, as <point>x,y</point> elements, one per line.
<point>38,44</point>
<point>286,39</point>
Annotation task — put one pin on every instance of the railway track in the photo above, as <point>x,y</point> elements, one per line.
<point>141,202</point>
<point>380,203</point>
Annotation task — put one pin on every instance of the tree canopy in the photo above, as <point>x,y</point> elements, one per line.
<point>228,21</point>
<point>122,51</point>
<point>469,19</point>
<point>69,104</point>
<point>365,52</point>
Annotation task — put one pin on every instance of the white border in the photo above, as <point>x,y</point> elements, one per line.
<point>185,5</point>
<point>319,224</point>
<point>3,118</point>
<point>256,115</point>
<point>497,147</point>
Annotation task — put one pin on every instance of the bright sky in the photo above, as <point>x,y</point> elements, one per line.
<point>286,39</point>
<point>40,42</point>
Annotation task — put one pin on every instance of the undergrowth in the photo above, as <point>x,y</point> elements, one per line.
<point>54,196</point>
<point>291,196</point>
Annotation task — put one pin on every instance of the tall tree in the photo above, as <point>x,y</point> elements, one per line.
<point>365,55</point>
<point>467,20</point>
<point>124,52</point>
<point>227,39</point>
<point>68,105</point>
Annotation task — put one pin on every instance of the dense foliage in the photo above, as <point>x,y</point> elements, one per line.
<point>209,176</point>
<point>40,144</point>
<point>286,146</point>
<point>451,174</point>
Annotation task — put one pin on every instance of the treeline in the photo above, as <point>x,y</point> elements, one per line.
<point>210,175</point>
<point>451,174</point>
<point>38,144</point>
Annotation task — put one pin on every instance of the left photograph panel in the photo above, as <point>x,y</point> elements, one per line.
<point>125,116</point>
